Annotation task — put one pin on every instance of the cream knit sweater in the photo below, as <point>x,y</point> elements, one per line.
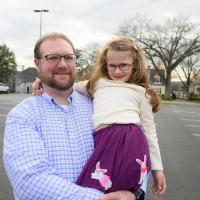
<point>124,103</point>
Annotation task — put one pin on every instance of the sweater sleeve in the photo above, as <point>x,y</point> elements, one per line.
<point>81,87</point>
<point>149,128</point>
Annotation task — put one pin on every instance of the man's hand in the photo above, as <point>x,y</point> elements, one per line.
<point>119,195</point>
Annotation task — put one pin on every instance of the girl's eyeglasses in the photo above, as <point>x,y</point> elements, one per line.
<point>122,66</point>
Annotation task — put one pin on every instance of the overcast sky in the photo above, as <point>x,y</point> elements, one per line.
<point>84,21</point>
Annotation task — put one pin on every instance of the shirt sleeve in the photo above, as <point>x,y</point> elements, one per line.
<point>29,170</point>
<point>149,128</point>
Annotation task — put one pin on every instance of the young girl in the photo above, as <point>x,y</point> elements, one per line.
<point>125,131</point>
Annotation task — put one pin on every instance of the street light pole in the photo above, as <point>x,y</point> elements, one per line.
<point>41,11</point>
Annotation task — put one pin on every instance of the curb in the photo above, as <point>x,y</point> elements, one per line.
<point>181,103</point>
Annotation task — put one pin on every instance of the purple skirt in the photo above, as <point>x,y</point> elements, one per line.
<point>120,159</point>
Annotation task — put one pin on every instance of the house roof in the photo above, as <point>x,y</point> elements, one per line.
<point>27,75</point>
<point>153,72</point>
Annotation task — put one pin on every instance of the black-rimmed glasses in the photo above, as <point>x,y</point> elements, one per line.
<point>55,58</point>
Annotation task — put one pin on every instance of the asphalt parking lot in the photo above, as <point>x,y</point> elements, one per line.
<point>7,102</point>
<point>178,127</point>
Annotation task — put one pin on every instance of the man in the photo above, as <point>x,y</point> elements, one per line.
<point>48,138</point>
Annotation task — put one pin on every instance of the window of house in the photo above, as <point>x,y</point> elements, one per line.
<point>157,79</point>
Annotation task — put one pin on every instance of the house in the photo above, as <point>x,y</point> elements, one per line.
<point>24,80</point>
<point>156,80</point>
<point>195,89</point>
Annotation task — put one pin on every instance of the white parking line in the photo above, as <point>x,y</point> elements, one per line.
<point>195,120</point>
<point>181,111</point>
<point>3,115</point>
<point>191,125</point>
<point>196,134</point>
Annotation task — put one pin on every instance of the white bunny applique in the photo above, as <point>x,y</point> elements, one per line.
<point>100,175</point>
<point>143,169</point>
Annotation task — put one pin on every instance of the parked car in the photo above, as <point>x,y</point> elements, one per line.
<point>4,88</point>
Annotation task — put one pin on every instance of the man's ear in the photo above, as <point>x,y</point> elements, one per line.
<point>37,62</point>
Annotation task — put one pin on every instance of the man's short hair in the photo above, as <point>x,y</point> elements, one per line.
<point>48,36</point>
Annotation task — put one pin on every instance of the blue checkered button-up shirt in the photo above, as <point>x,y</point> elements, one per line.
<point>46,147</point>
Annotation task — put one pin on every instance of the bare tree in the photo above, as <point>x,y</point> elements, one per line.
<point>166,45</point>
<point>85,60</point>
<point>186,74</point>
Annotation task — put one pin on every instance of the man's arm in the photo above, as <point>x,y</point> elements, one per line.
<point>28,167</point>
<point>119,195</point>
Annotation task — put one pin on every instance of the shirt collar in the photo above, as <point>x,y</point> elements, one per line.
<point>50,99</point>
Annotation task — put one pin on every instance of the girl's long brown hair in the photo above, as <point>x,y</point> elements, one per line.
<point>139,75</point>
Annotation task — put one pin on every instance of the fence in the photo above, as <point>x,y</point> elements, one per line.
<point>180,95</point>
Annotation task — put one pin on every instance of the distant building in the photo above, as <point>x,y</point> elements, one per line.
<point>195,86</point>
<point>195,89</point>
<point>156,80</point>
<point>24,80</point>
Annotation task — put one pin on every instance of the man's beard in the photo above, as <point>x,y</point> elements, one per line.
<point>54,83</point>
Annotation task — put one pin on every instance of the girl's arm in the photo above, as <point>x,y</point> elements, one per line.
<point>78,86</point>
<point>37,87</point>
<point>149,128</point>
<point>81,87</point>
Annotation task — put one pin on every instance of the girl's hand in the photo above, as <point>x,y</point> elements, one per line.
<point>159,182</point>
<point>37,87</point>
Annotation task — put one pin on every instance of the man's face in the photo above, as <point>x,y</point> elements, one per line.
<point>60,74</point>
